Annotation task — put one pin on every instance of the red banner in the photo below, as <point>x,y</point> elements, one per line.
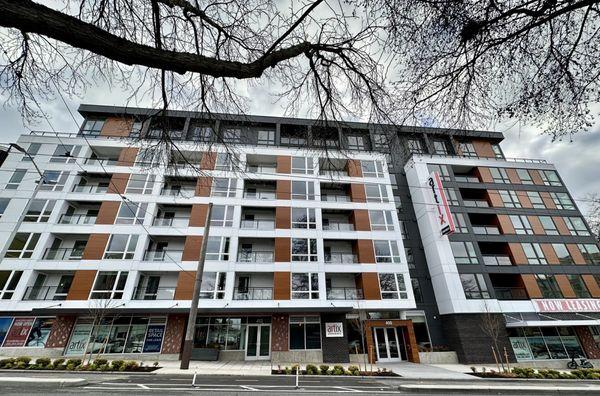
<point>571,305</point>
<point>17,335</point>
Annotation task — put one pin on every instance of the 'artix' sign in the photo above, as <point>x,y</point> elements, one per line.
<point>335,329</point>
<point>570,305</point>
<point>443,216</point>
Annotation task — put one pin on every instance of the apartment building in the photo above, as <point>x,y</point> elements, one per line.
<point>324,243</point>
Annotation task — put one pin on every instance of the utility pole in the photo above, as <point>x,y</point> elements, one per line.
<point>188,343</point>
<point>29,202</point>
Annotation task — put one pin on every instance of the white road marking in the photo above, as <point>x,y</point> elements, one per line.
<point>246,380</point>
<point>249,388</point>
<point>143,386</point>
<point>348,389</point>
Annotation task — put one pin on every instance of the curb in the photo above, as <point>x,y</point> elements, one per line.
<point>61,382</point>
<point>78,372</point>
<point>496,389</point>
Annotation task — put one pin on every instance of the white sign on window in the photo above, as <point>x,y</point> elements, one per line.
<point>335,329</point>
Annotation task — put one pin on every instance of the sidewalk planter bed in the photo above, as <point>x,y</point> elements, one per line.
<point>518,372</point>
<point>24,363</point>
<point>335,370</point>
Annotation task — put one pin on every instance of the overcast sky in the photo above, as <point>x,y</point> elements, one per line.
<point>578,161</point>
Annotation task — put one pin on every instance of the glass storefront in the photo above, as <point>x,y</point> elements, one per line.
<point>540,343</point>
<point>224,333</point>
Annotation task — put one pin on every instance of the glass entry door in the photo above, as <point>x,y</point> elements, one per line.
<point>389,344</point>
<point>258,342</point>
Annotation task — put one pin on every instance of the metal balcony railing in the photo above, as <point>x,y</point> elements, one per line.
<point>253,293</point>
<point>63,254</point>
<point>53,293</point>
<point>258,224</point>
<point>171,221</point>
<point>77,219</point>
<point>91,188</point>
<point>489,259</point>
<point>264,194</point>
<point>261,168</point>
<point>511,293</point>
<point>344,293</point>
<point>476,203</point>
<point>341,258</point>
<point>466,179</point>
<point>335,198</point>
<point>163,255</point>
<point>154,293</point>
<point>256,257</point>
<point>334,226</point>
<point>486,230</point>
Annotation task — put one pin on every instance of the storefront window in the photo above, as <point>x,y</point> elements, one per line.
<point>539,343</point>
<point>224,333</point>
<point>305,332</point>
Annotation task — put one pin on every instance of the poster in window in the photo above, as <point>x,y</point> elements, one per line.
<point>5,323</point>
<point>521,349</point>
<point>79,339</point>
<point>17,335</point>
<point>154,338</point>
<point>39,332</point>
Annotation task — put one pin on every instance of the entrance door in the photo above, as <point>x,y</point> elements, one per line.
<point>388,343</point>
<point>258,342</point>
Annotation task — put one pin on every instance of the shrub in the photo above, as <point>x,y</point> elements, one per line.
<point>155,364</point>
<point>104,367</point>
<point>21,365</point>
<point>324,369</point>
<point>353,370</point>
<point>312,369</point>
<point>130,365</point>
<point>24,359</point>
<point>73,363</point>
<point>100,362</point>
<point>7,362</point>
<point>524,372</point>
<point>42,362</point>
<point>288,370</point>
<point>58,362</point>
<point>338,370</point>
<point>117,364</point>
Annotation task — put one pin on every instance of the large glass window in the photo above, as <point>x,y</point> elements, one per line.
<point>417,290</point>
<point>562,201</point>
<point>460,224</point>
<point>303,190</point>
<point>223,187</point>
<point>8,283</point>
<point>303,165</point>
<point>440,147</point>
<point>371,168</point>
<point>464,252</point>
<point>510,199</point>
<point>550,178</point>
<point>548,286</point>
<point>576,226</point>
<point>536,200</point>
<point>467,149</point>
<point>131,213</point>
<point>109,285</point>
<point>232,135</point>
<point>376,192</point>
<point>497,151</point>
<point>590,252</point>
<point>534,253</point>
<point>224,333</point>
<point>303,218</point>
<point>548,225</point>
<point>266,138</point>
<point>65,153</point>
<point>410,258</point>
<point>381,220</point>
<point>578,286</point>
<point>92,127</point>
<point>474,286</point>
<point>305,286</point>
<point>442,170</point>
<point>392,286</point>
<point>121,247</point>
<point>386,252</point>
<point>525,176</point>
<point>304,249</point>
<point>564,257</point>
<point>22,245</point>
<point>54,180</point>
<point>540,343</point>
<point>15,179</point>
<point>499,175</point>
<point>32,151</point>
<point>213,285</point>
<point>415,146</point>
<point>225,162</point>
<point>521,224</point>
<point>356,143</point>
<point>3,205</point>
<point>39,211</point>
<point>451,196</point>
<point>140,184</point>
<point>217,248</point>
<point>305,332</point>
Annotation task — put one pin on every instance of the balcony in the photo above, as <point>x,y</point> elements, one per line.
<point>345,293</point>
<point>253,293</point>
<point>256,257</point>
<point>153,293</point>
<point>476,203</point>
<point>171,221</point>
<point>265,190</point>
<point>98,188</point>
<point>496,260</point>
<point>333,167</point>
<point>261,163</point>
<point>341,258</point>
<point>340,251</point>
<point>63,254</point>
<point>101,161</point>
<point>336,226</point>
<point>486,230</point>
<point>466,178</point>
<point>163,255</point>
<point>333,192</point>
<point>172,216</point>
<point>77,219</point>
<point>45,293</point>
<point>511,293</point>
<point>474,198</point>
<point>258,224</point>
<point>338,220</point>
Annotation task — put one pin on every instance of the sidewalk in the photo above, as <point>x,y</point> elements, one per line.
<point>422,371</point>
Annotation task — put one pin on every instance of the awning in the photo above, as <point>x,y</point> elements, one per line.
<point>535,319</point>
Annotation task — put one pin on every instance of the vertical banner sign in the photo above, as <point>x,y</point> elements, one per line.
<point>154,338</point>
<point>443,216</point>
<point>79,339</point>
<point>5,323</point>
<point>17,335</point>
<point>39,332</point>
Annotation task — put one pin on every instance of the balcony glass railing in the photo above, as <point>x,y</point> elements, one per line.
<point>171,221</point>
<point>344,293</point>
<point>256,257</point>
<point>335,198</point>
<point>261,168</point>
<point>476,203</point>
<point>264,194</point>
<point>63,254</point>
<point>186,192</point>
<point>154,293</point>
<point>91,188</point>
<point>253,293</point>
<point>101,161</point>
<point>333,226</point>
<point>53,293</point>
<point>511,293</point>
<point>163,255</point>
<point>486,230</point>
<point>258,224</point>
<point>489,259</point>
<point>77,219</point>
<point>466,179</point>
<point>333,172</point>
<point>342,258</point>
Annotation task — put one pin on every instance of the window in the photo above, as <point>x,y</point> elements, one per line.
<point>376,192</point>
<point>536,200</point>
<point>460,223</point>
<point>548,286</point>
<point>223,187</point>
<point>467,149</point>
<point>392,286</point>
<point>442,170</point>
<point>213,285</point>
<point>148,157</point>
<point>140,184</point>
<point>16,179</point>
<point>564,257</point>
<point>509,199</point>
<point>410,258</point>
<point>202,133</point>
<point>131,213</point>
<point>225,162</point>
<point>417,291</point>
<point>39,211</point>
<point>65,153</point>
<point>356,143</point>
<point>381,220</point>
<point>386,252</point>
<point>579,287</point>
<point>302,165</point>
<point>576,226</point>
<point>305,332</point>
<point>8,283</point>
<point>440,147</point>
<point>305,286</point>
<point>381,142</point>
<point>524,176</point>
<point>415,146</point>
<point>548,225</point>
<point>232,135</point>
<point>590,253</point>
<point>92,127</point>
<point>464,252</point>
<point>499,175</point>
<point>54,180</point>
<point>121,246</point>
<point>451,196</point>
<point>266,138</point>
<point>303,218</point>
<point>32,150</point>
<point>304,249</point>
<point>303,190</point>
<point>534,253</point>
<point>550,178</point>
<point>217,248</point>
<point>403,231</point>
<point>474,286</point>
<point>22,245</point>
<point>521,224</point>
<point>497,151</point>
<point>109,285</point>
<point>3,205</point>
<point>562,201</point>
<point>136,129</point>
<point>372,168</point>
<point>221,216</point>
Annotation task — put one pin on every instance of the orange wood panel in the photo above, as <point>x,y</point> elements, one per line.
<point>283,217</point>
<point>284,189</point>
<point>117,126</point>
<point>192,248</point>
<point>284,164</point>
<point>83,281</point>
<point>361,220</point>
<point>198,215</point>
<point>118,183</point>
<point>282,285</point>
<point>207,162</point>
<point>506,226</point>
<point>203,186</point>
<point>95,246</point>
<point>354,168</point>
<point>592,285</point>
<point>531,286</point>
<point>127,156</point>
<point>358,193</point>
<point>517,253</point>
<point>283,252</point>
<point>108,212</point>
<point>185,285</point>
<point>565,286</point>
<point>576,254</point>
<point>365,251</point>
<point>549,253</point>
